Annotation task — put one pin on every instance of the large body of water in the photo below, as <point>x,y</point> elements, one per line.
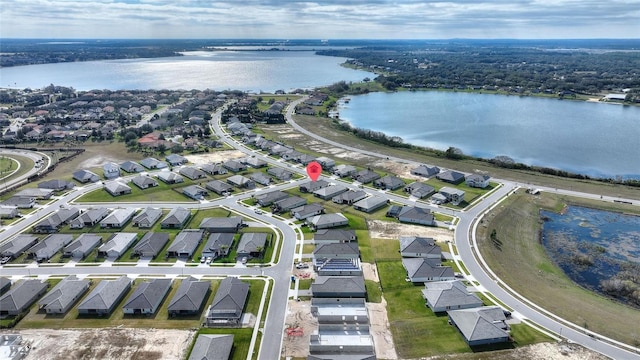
<point>596,139</point>
<point>252,71</point>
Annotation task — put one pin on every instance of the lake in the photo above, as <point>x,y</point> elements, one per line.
<point>596,139</point>
<point>252,71</point>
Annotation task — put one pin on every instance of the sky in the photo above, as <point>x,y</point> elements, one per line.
<point>320,19</point>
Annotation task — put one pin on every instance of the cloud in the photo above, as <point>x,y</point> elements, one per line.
<point>320,19</point>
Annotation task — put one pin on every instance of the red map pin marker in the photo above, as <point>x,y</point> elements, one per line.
<point>314,170</point>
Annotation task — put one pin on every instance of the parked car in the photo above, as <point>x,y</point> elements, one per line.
<point>302,266</point>
<point>202,260</point>
<point>5,260</point>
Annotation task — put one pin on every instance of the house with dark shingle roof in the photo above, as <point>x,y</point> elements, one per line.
<point>21,296</point>
<point>419,190</point>
<point>312,186</point>
<point>176,218</point>
<point>254,162</point>
<point>8,212</point>
<point>371,203</point>
<point>49,246</point>
<point>415,246</point>
<point>116,188</point>
<point>234,166</point>
<point>229,224</point>
<point>169,177</point>
<point>117,219</point>
<point>343,170</point>
<point>111,170</point>
<point>117,245</point>
<point>192,173</point>
<point>37,193</point>
<point>306,211</point>
<point>56,220</point>
<point>241,182</point>
<point>251,245</point>
<point>195,192</point>
<point>189,297</point>
<point>449,295</point>
<point>153,163</point>
<point>144,182</point>
<point>151,244</point>
<point>185,243</point>
<point>18,245</point>
<point>5,285</point>
<point>20,202</point>
<point>219,187</point>
<point>326,221</point>
<point>82,246</point>
<point>214,169</point>
<point>89,218</point>
<point>326,236</point>
<point>104,298</point>
<point>175,159</point>
<point>260,178</point>
<point>268,198</point>
<point>287,204</point>
<point>57,185</point>
<point>454,196</point>
<point>425,270</point>
<point>64,295</point>
<point>218,245</point>
<point>228,304</point>
<point>388,182</point>
<point>416,215</point>
<point>147,217</point>
<point>131,167</point>
<point>477,181</point>
<point>212,347</point>
<point>451,177</point>
<point>339,287</point>
<point>329,192</point>
<point>349,197</point>
<point>481,325</point>
<point>147,297</point>
<point>85,176</point>
<point>279,173</point>
<point>425,170</point>
<point>365,176</point>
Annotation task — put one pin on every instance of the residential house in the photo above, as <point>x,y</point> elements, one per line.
<point>351,286</point>
<point>425,170</point>
<point>251,245</point>
<point>212,347</point>
<point>419,247</point>
<point>18,245</point>
<point>349,197</point>
<point>147,218</point>
<point>214,169</point>
<point>337,259</point>
<point>147,297</point>
<point>56,220</point>
<point>329,192</point>
<point>365,176</point>
<point>305,159</point>
<point>57,185</point>
<point>234,166</point>
<point>131,167</point>
<point>64,295</point>
<point>254,162</point>
<point>82,246</point>
<point>326,221</point>
<point>153,163</point>
<point>419,190</point>
<point>111,170</point>
<point>195,192</point>
<point>241,182</point>
<point>371,204</point>
<point>37,193</point>
<point>344,170</point>
<point>85,176</point>
<point>144,182</point>
<point>351,344</point>
<point>260,178</point>
<point>218,245</point>
<point>477,181</point>
<point>449,295</point>
<point>49,246</point>
<point>185,243</point>
<point>425,270</point>
<point>176,160</point>
<point>388,182</point>
<point>290,155</point>
<point>451,177</point>
<point>312,186</point>
<point>326,163</point>
<point>177,218</point>
<point>89,218</point>
<point>117,245</point>
<point>416,215</point>
<point>189,297</point>
<point>279,173</point>
<point>228,304</point>
<point>481,325</point>
<point>151,244</point>
<point>117,219</point>
<point>219,187</point>
<point>8,212</point>
<point>287,204</point>
<point>116,188</point>
<point>104,298</point>
<point>328,236</point>
<point>169,177</point>
<point>21,296</point>
<point>229,224</point>
<point>192,173</point>
<point>20,202</point>
<point>267,199</point>
<point>5,285</point>
<point>454,196</point>
<point>306,211</point>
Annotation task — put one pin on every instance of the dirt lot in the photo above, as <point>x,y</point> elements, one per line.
<point>106,344</point>
<point>382,338</point>
<point>215,157</point>
<point>543,351</point>
<point>298,316</point>
<point>388,230</point>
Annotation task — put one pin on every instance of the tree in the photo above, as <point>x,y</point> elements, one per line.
<point>162,148</point>
<point>453,153</point>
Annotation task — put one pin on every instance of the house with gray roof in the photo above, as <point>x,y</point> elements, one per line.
<point>329,192</point>
<point>287,204</point>
<point>153,163</point>
<point>185,243</point>
<point>219,187</point>
<point>228,304</point>
<point>229,224</point>
<point>18,245</point>
<point>169,177</point>
<point>371,203</point>
<point>131,167</point>
<point>189,297</point>
<point>419,190</point>
<point>218,245</point>
<point>8,212</point>
<point>147,297</point>
<point>254,162</point>
<point>326,236</point>
<point>351,286</point>
<point>416,246</point>
<point>195,192</point>
<point>425,170</point>
<point>212,347</point>
<point>147,217</point>
<point>85,176</point>
<point>144,182</point>
<point>425,270</point>
<point>214,169</point>
<point>260,178</point>
<point>251,245</point>
<point>192,173</point>
<point>89,218</point>
<point>104,298</point>
<point>449,295</point>
<point>312,186</point>
<point>268,198</point>
<point>116,188</point>
<point>64,295</point>
<point>477,180</point>
<point>49,246</point>
<point>117,245</point>
<point>305,159</point>
<point>37,193</point>
<point>82,246</point>
<point>290,155</point>
<point>151,244</point>
<point>416,215</point>
<point>5,285</point>
<point>111,170</point>
<point>241,182</point>
<point>20,202</point>
<point>176,218</point>
<point>306,211</point>
<point>481,325</point>
<point>56,184</point>
<point>326,221</point>
<point>388,182</point>
<point>326,163</point>
<point>344,170</point>
<point>280,173</point>
<point>454,196</point>
<point>337,259</point>
<point>117,219</point>
<point>176,160</point>
<point>451,177</point>
<point>21,296</point>
<point>55,221</point>
<point>234,166</point>
<point>365,176</point>
<point>349,197</point>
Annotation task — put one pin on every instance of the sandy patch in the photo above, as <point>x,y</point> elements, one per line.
<point>382,338</point>
<point>291,136</point>
<point>388,230</point>
<point>370,272</point>
<point>98,161</point>
<point>542,351</point>
<point>352,155</point>
<point>399,169</point>
<point>296,343</point>
<point>215,157</point>
<point>105,344</point>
